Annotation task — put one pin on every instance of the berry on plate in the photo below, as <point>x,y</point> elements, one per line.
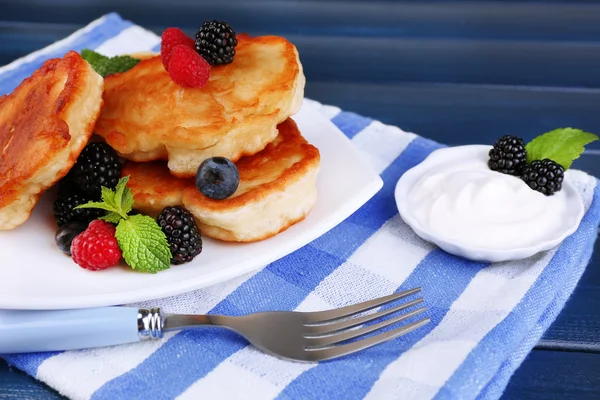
<point>137,238</point>
<point>183,235</point>
<point>187,68</point>
<point>67,186</point>
<point>172,37</point>
<point>96,248</point>
<point>217,178</point>
<point>508,155</point>
<point>65,235</point>
<point>96,166</point>
<point>216,41</point>
<point>545,176</point>
<point>66,213</point>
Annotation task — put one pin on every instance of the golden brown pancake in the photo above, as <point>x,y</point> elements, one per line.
<point>147,116</point>
<point>277,189</point>
<point>44,125</point>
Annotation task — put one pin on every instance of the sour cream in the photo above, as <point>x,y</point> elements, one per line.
<point>465,202</point>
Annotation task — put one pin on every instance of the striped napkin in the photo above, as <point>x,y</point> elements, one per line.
<point>485,317</point>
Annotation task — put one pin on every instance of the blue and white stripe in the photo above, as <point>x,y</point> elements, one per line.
<point>485,317</point>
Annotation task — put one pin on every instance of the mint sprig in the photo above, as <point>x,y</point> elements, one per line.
<point>143,243</point>
<point>563,145</point>
<point>105,66</point>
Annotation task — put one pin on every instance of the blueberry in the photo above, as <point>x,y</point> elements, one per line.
<point>65,235</point>
<point>217,178</point>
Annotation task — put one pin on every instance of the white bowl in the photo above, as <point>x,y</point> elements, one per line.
<point>453,245</point>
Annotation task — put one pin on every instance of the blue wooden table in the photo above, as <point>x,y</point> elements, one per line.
<point>455,71</point>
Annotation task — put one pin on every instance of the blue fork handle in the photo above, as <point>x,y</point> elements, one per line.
<point>33,331</point>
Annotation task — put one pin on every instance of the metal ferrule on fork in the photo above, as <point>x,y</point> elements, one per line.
<point>150,323</point>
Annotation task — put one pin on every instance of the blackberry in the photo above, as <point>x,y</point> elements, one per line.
<point>508,155</point>
<point>97,166</point>
<point>216,41</point>
<point>67,186</point>
<point>545,176</point>
<point>64,212</point>
<point>182,233</point>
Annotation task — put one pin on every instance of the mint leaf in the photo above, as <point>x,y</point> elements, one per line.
<point>143,243</point>
<point>119,201</point>
<point>108,196</point>
<point>112,217</point>
<point>107,66</point>
<point>127,201</point>
<point>97,204</point>
<point>562,145</point>
<point>123,196</point>
<point>92,57</point>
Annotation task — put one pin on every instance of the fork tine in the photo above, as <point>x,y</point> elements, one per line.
<point>346,335</point>
<point>348,311</point>
<point>349,323</point>
<point>345,349</point>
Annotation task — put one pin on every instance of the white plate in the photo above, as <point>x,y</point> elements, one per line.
<point>36,275</point>
<point>570,221</point>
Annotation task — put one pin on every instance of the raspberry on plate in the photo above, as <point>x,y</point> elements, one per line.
<point>187,68</point>
<point>96,248</point>
<point>172,37</point>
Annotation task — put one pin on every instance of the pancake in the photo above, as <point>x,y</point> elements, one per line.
<point>147,116</point>
<point>44,125</point>
<point>277,189</point>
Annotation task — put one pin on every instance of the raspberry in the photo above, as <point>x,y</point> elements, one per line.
<point>172,37</point>
<point>187,68</point>
<point>96,248</point>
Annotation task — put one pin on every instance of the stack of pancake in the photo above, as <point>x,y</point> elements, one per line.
<point>165,131</point>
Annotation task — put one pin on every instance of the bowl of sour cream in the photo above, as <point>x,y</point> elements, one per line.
<point>453,199</point>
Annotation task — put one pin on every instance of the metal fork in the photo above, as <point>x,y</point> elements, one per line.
<point>298,336</point>
<point>310,336</point>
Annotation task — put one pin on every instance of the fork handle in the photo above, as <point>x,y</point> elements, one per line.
<point>33,331</point>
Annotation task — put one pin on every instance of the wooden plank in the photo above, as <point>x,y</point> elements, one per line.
<point>556,375</point>
<point>466,114</point>
<point>18,39</point>
<point>385,60</point>
<point>578,325</point>
<point>552,21</point>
